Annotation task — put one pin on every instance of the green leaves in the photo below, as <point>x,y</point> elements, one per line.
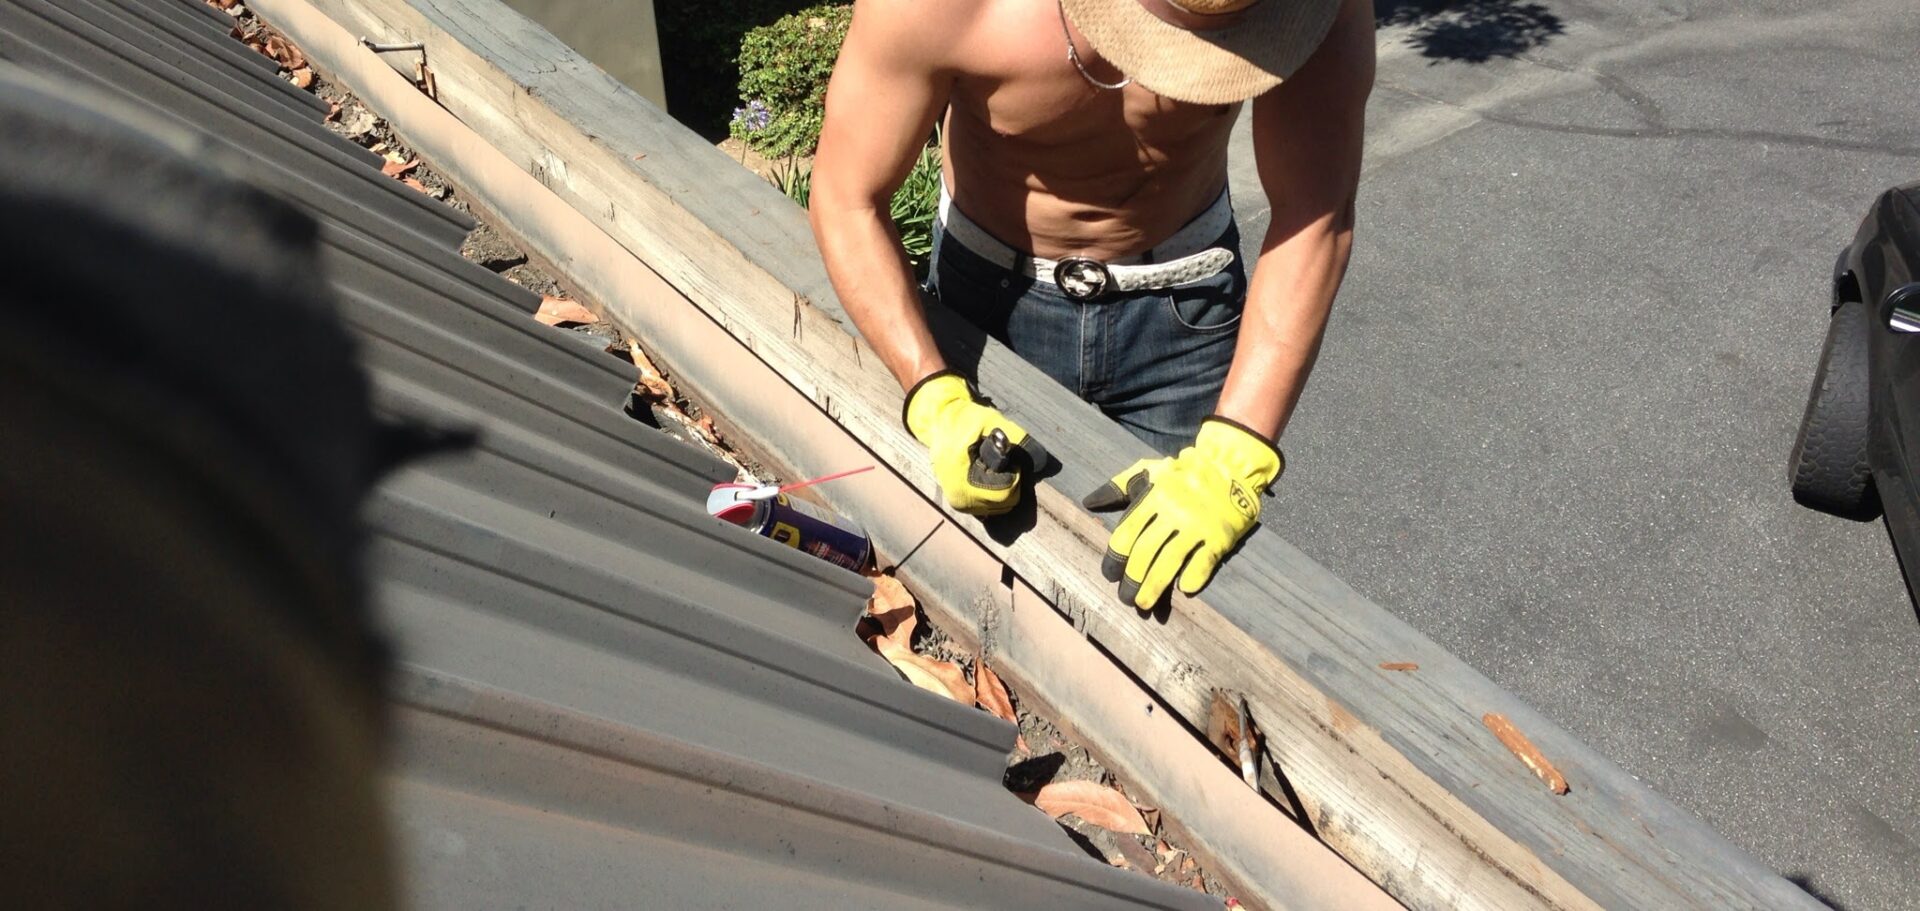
<point>917,203</point>
<point>794,178</point>
<point>784,69</point>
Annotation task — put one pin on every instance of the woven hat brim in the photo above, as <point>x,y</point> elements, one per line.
<point>1267,43</point>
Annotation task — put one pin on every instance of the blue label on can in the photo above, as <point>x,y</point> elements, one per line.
<point>811,529</point>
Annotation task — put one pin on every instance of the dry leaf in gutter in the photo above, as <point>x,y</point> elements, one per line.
<point>888,594</point>
<point>1094,803</point>
<point>707,429</point>
<point>557,310</point>
<point>273,46</point>
<point>1167,855</point>
<point>653,384</point>
<point>393,168</point>
<point>916,674</point>
<point>943,678</point>
<point>892,611</point>
<point>283,53</point>
<point>894,643</point>
<point>356,122</point>
<point>1152,817</point>
<point>303,78</point>
<point>333,112</point>
<point>894,621</point>
<point>991,694</point>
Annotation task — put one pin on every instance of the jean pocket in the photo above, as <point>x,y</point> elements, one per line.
<point>1209,305</point>
<point>976,291</point>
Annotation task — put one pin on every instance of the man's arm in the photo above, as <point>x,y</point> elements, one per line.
<point>889,84</point>
<point>1306,140</point>
<point>887,88</point>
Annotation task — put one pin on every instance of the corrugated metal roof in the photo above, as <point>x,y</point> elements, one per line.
<point>607,699</point>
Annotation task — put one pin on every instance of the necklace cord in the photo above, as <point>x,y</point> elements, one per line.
<point>1073,55</point>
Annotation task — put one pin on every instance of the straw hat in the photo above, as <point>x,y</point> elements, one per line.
<point>1268,41</point>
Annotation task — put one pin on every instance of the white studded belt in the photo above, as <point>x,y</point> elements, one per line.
<point>1184,257</point>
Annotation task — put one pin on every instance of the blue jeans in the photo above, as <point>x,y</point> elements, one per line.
<point>1153,360</point>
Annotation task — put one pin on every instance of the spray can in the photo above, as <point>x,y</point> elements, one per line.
<point>802,526</point>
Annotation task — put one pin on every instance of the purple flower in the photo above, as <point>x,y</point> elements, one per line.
<point>754,117</point>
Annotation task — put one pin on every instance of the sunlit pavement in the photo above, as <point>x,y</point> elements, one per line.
<point>1551,422</point>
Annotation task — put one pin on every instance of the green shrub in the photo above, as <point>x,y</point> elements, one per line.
<point>783,79</point>
<point>914,206</point>
<point>699,49</point>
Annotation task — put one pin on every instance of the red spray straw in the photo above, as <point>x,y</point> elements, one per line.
<point>768,492</point>
<point>824,478</point>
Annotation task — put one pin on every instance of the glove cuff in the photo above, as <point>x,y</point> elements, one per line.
<point>926,396</point>
<point>1247,455</point>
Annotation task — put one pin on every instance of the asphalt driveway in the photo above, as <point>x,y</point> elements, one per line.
<point>1551,420</point>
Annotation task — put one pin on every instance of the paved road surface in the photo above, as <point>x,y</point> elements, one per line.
<point>1551,420</point>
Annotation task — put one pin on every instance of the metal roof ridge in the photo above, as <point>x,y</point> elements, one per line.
<point>455,697</point>
<point>686,618</point>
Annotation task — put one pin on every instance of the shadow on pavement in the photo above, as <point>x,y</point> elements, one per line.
<point>1471,31</point>
<point>1803,881</point>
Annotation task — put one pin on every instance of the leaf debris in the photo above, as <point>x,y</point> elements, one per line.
<point>653,385</point>
<point>991,694</point>
<point>1094,803</point>
<point>556,311</point>
<point>393,168</point>
<point>891,634</point>
<point>435,192</point>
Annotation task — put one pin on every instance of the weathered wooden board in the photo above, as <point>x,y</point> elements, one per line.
<point>1394,769</point>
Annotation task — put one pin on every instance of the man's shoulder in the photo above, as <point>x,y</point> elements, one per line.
<point>948,32</point>
<point>927,18</point>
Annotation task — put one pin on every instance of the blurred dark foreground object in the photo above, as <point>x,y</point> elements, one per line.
<point>190,690</point>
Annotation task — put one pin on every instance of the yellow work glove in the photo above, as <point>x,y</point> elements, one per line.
<point>1188,511</point>
<point>978,471</point>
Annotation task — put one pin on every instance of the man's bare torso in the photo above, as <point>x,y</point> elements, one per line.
<point>1043,160</point>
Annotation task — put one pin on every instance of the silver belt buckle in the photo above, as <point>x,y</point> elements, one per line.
<point>1081,278</point>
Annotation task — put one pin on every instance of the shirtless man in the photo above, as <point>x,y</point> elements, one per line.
<point>1088,228</point>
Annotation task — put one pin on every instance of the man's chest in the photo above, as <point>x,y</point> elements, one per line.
<point>1021,83</point>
